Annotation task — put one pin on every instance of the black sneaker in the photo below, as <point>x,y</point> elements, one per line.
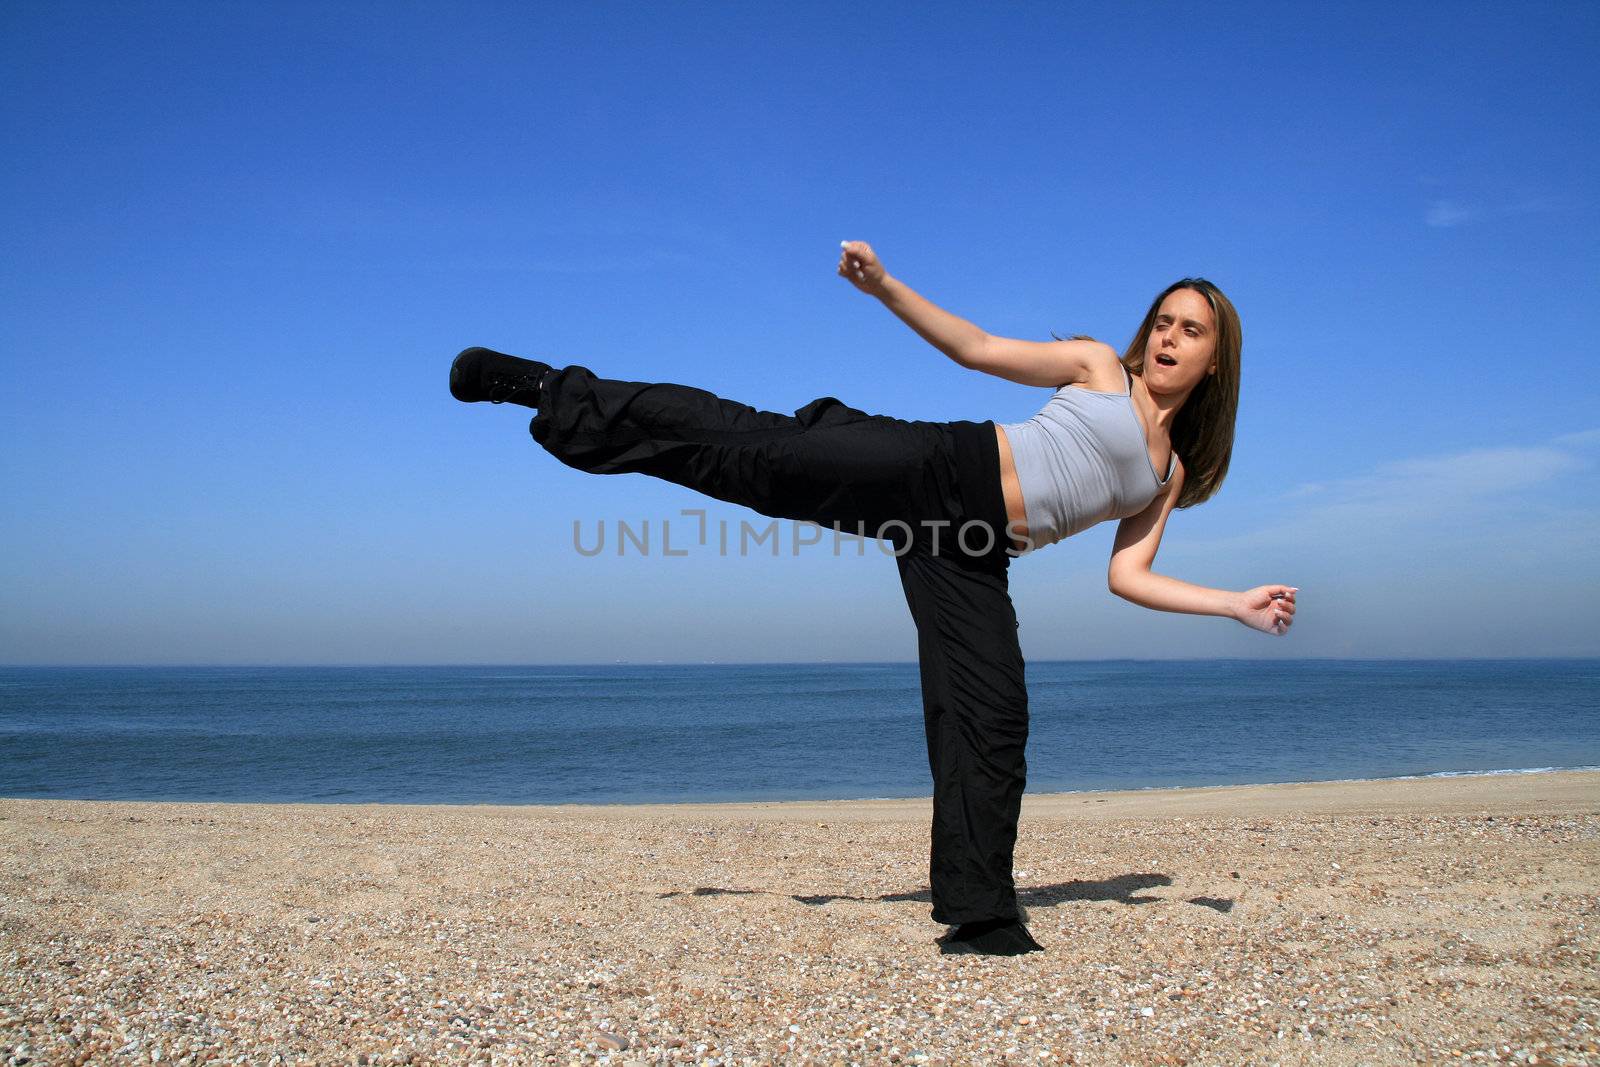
<point>484,374</point>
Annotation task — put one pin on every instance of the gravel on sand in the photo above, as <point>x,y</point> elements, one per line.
<point>1401,921</point>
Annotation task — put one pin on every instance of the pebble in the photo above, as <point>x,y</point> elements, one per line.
<point>747,935</point>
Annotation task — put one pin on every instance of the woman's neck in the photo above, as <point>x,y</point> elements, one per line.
<point>1158,411</point>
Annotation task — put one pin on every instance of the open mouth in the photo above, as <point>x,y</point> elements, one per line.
<point>1166,361</point>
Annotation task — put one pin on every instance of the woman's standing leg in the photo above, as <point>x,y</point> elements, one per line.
<point>975,711</point>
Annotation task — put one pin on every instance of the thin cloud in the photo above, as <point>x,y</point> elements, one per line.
<point>1474,472</point>
<point>1447,213</point>
<point>1581,439</point>
<point>1411,486</point>
<point>1446,493</point>
<point>1443,214</point>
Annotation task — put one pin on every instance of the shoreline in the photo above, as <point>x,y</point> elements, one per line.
<point>1568,790</point>
<point>1342,923</point>
<point>1030,798</point>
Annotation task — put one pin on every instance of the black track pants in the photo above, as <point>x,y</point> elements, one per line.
<point>933,490</point>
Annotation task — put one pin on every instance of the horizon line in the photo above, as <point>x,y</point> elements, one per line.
<point>358,665</point>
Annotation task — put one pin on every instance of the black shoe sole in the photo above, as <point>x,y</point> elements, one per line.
<point>464,374</point>
<point>1011,939</point>
<point>967,948</point>
<point>482,374</point>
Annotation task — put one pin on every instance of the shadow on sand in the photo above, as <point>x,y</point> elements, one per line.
<point>1126,889</point>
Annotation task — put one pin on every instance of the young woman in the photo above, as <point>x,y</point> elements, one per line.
<point>957,501</point>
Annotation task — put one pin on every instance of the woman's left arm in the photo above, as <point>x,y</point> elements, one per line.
<point>1268,608</point>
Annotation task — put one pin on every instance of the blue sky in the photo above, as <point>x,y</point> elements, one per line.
<point>243,242</point>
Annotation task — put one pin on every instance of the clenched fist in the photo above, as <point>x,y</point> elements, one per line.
<point>858,264</point>
<point>1268,608</point>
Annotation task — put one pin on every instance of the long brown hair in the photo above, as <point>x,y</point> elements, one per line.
<point>1202,431</point>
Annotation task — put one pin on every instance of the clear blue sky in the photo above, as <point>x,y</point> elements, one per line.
<point>242,243</point>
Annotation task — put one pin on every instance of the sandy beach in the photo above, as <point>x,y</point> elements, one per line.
<point>1413,921</point>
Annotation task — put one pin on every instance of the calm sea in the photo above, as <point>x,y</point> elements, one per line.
<point>626,734</point>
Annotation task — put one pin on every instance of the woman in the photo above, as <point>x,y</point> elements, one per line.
<point>957,501</point>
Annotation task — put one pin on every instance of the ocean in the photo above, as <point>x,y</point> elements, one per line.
<point>762,732</point>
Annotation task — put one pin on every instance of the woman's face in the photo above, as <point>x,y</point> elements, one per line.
<point>1182,345</point>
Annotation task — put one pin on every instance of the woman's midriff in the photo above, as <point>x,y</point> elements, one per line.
<point>1011,488</point>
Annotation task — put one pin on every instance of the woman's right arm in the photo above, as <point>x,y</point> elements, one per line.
<point>1049,363</point>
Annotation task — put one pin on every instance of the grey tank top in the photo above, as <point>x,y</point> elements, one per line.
<point>1083,460</point>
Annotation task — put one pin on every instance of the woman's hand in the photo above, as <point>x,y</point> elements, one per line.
<point>1268,608</point>
<point>858,264</point>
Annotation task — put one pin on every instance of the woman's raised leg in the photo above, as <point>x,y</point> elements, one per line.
<point>827,463</point>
